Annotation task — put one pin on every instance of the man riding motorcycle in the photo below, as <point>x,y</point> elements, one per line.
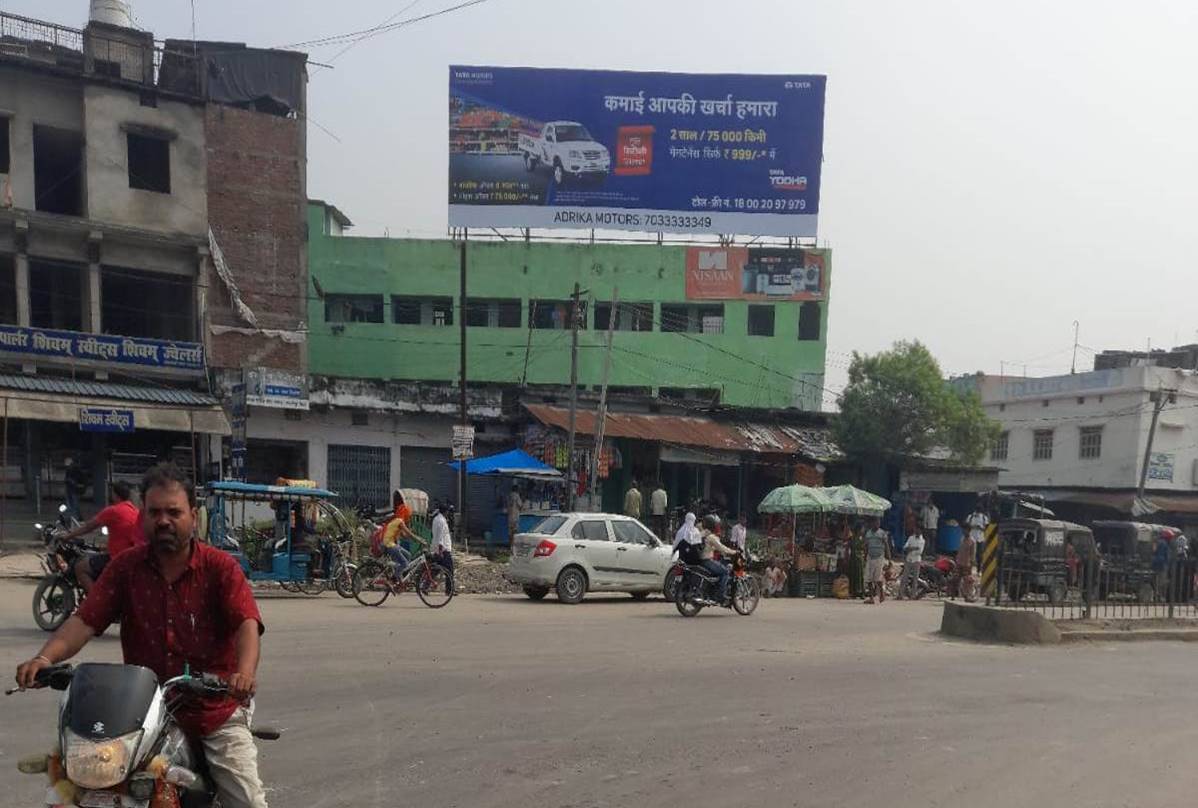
<point>181,603</point>
<point>123,520</point>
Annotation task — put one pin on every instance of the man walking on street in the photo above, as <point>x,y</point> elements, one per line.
<point>877,552</point>
<point>913,551</point>
<point>659,503</point>
<point>515,504</point>
<point>740,534</point>
<point>632,502</point>
<point>74,483</point>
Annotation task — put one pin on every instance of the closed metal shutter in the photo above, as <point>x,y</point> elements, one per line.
<point>361,474</point>
<point>426,469</point>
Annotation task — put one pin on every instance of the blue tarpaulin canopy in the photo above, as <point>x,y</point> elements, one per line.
<point>514,463</point>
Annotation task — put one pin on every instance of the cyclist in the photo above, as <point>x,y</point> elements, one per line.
<point>395,530</point>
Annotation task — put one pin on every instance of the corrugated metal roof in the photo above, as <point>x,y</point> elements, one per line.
<point>692,430</point>
<point>92,389</point>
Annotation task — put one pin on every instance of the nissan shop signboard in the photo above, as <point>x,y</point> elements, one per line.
<point>674,152</point>
<point>756,273</point>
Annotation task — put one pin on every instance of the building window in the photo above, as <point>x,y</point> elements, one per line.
<point>707,395</point>
<point>810,315</point>
<point>1042,444</point>
<point>8,290</point>
<point>149,163</point>
<point>500,313</point>
<point>353,308</point>
<point>146,304</point>
<point>555,314</point>
<point>1090,446</point>
<point>693,319</point>
<point>629,316</point>
<point>56,295</point>
<point>1000,447</point>
<point>4,153</point>
<point>761,320</point>
<point>421,310</point>
<point>58,170</point>
<point>359,418</point>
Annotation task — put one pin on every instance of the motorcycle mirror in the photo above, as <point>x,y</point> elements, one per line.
<point>104,531</point>
<point>62,508</point>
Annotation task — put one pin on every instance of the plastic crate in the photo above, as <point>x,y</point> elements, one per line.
<point>809,584</point>
<point>825,584</point>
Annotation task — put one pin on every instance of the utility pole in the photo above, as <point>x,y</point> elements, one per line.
<point>1073,364</point>
<point>1163,397</point>
<point>574,316</point>
<point>601,419</point>
<point>463,535</point>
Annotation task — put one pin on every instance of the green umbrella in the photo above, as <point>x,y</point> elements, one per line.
<point>795,499</point>
<point>853,501</point>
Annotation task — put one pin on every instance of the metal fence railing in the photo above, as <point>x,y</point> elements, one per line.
<point>1100,590</point>
<point>92,52</point>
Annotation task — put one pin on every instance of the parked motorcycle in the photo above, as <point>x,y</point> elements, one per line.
<point>697,588</point>
<point>118,742</point>
<point>58,593</point>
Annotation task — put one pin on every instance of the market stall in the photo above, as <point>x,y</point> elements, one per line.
<point>812,532</point>
<point>540,486</point>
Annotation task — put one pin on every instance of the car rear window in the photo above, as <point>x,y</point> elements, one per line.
<point>591,530</point>
<point>549,525</point>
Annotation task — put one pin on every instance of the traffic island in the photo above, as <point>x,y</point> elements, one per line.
<point>1123,630</point>
<point>973,621</point>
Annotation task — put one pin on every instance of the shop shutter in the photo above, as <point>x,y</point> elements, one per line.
<point>360,474</point>
<point>425,468</point>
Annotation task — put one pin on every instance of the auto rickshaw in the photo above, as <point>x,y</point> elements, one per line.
<point>1126,550</point>
<point>272,530</point>
<point>1034,556</point>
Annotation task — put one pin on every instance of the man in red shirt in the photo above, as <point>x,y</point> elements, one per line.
<point>180,603</point>
<point>123,520</point>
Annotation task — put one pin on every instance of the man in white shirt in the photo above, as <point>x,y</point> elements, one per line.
<point>442,548</point>
<point>659,503</point>
<point>913,558</point>
<point>931,520</point>
<point>739,534</point>
<point>976,525</point>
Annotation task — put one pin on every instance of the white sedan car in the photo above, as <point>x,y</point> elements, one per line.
<point>597,552</point>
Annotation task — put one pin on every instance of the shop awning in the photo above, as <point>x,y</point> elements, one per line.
<point>43,398</point>
<point>514,463</point>
<point>1123,501</point>
<point>697,431</point>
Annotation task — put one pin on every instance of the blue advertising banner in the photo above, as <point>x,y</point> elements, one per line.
<point>682,153</point>
<point>101,348</point>
<point>105,419</point>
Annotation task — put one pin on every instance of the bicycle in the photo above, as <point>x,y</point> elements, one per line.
<point>377,579</point>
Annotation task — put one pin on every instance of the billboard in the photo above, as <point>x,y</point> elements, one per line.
<point>673,152</point>
<point>756,273</point>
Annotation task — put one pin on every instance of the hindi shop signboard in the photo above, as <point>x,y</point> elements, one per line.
<point>756,273</point>
<point>276,388</point>
<point>683,153</point>
<point>105,419</point>
<point>73,345</point>
<point>462,442</point>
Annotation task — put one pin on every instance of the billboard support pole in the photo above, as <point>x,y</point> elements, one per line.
<point>570,483</point>
<point>463,535</point>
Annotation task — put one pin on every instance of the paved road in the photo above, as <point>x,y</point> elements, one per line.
<point>504,702</point>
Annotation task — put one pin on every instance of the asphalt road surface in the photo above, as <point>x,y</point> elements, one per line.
<point>498,701</point>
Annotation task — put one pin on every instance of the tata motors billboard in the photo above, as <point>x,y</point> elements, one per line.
<point>673,152</point>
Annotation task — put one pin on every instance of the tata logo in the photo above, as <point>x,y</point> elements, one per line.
<point>713,260</point>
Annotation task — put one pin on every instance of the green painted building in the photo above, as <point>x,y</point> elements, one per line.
<point>387,309</point>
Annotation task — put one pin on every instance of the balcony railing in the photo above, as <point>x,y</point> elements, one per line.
<point>92,52</point>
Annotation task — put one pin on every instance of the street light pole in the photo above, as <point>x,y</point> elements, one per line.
<point>574,315</point>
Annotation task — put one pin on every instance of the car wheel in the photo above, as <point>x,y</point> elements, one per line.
<point>530,163</point>
<point>559,174</point>
<point>536,592</point>
<point>639,595</point>
<point>571,585</point>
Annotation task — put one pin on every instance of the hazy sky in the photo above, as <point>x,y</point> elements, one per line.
<point>992,172</point>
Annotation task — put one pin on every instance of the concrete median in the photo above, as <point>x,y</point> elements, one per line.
<point>990,624</point>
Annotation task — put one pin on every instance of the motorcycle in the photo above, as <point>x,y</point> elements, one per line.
<point>119,745</point>
<point>697,588</point>
<point>58,593</point>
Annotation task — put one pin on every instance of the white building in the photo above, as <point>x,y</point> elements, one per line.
<point>1081,438</point>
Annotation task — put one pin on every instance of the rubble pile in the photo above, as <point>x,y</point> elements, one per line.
<point>477,575</point>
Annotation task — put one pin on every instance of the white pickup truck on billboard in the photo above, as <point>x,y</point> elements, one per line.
<point>568,149</point>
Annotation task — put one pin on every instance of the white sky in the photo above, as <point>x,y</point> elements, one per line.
<point>993,171</point>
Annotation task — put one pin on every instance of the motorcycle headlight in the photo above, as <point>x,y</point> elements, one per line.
<point>99,764</point>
